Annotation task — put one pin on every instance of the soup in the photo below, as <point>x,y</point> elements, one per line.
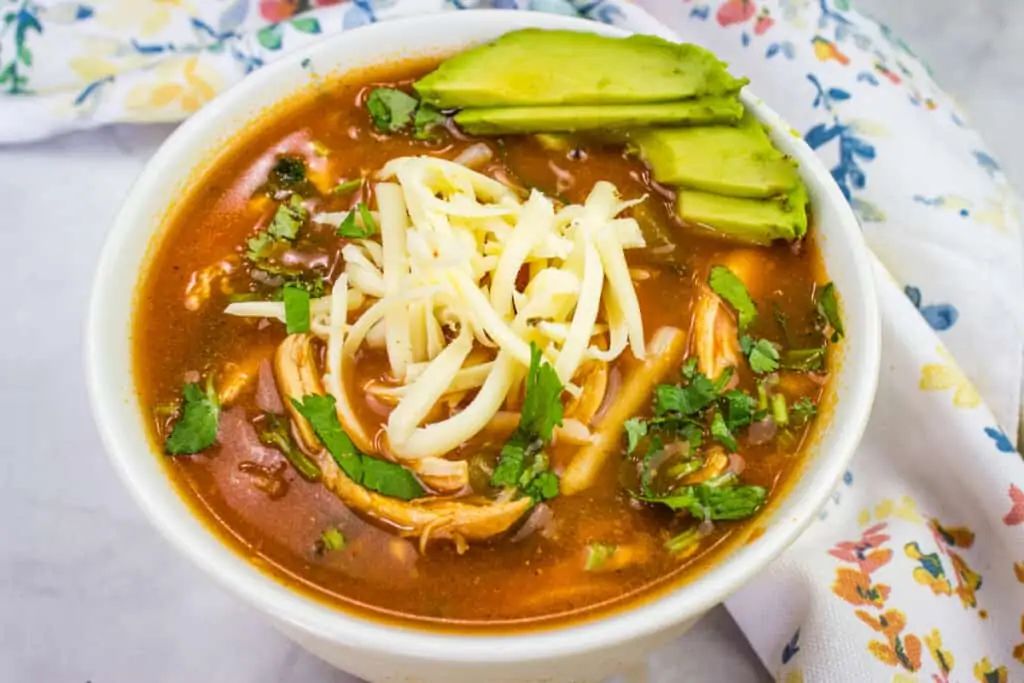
<point>474,379</point>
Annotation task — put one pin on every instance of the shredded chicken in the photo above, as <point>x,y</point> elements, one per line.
<point>715,337</point>
<point>459,520</point>
<point>665,353</point>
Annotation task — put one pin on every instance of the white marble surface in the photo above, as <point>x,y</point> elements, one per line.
<point>87,591</point>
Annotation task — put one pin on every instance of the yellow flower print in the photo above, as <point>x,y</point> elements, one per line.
<point>1018,570</point>
<point>905,508</point>
<point>105,57</point>
<point>141,18</point>
<point>984,672</point>
<point>794,676</point>
<point>931,572</point>
<point>181,86</point>
<point>968,581</point>
<point>947,375</point>
<point>943,658</point>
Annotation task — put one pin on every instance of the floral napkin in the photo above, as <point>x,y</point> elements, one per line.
<point>915,571</point>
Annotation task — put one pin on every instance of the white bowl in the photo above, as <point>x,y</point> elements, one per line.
<point>374,650</point>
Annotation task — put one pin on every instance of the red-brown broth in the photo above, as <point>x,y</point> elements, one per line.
<point>275,518</point>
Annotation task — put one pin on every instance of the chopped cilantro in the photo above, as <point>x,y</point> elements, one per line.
<point>714,502</point>
<point>805,360</point>
<point>636,429</point>
<point>828,309</point>
<point>386,478</point>
<point>258,248</point>
<point>275,433</point>
<point>542,411</point>
<point>288,218</point>
<point>689,368</point>
<point>647,469</point>
<point>351,230</point>
<point>196,429</point>
<point>347,186</point>
<point>313,284</point>
<point>739,409</point>
<point>391,110</point>
<point>684,543</point>
<point>720,432</point>
<point>427,117</point>
<point>803,410</point>
<point>761,354</point>
<point>330,540</point>
<point>726,285</point>
<point>685,468</point>
<point>597,555</point>
<point>296,309</point>
<point>688,400</point>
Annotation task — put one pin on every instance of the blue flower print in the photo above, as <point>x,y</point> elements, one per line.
<point>848,173</point>
<point>941,317</point>
<point>790,649</point>
<point>1002,441</point>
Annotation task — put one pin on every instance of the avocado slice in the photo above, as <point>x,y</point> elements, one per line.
<point>536,67</point>
<point>753,221</point>
<point>738,161</point>
<point>569,118</point>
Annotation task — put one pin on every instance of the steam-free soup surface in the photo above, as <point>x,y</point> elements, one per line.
<point>569,554</point>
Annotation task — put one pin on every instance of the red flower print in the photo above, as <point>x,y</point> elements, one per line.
<point>1016,514</point>
<point>277,10</point>
<point>735,12</point>
<point>866,552</point>
<point>764,22</point>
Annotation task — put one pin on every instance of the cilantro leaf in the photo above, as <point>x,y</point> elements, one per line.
<point>828,309</point>
<point>275,433</point>
<point>689,368</point>
<point>427,116</point>
<point>597,555</point>
<point>636,429</point>
<point>351,230</point>
<point>382,476</point>
<point>720,432</point>
<point>258,248</point>
<point>296,308</point>
<point>390,109</point>
<point>288,218</point>
<point>803,410</point>
<point>726,285</point>
<point>688,400</point>
<point>347,186</point>
<point>761,354</point>
<point>313,284</point>
<point>706,501</point>
<point>739,409</point>
<point>542,406</point>
<point>542,412</point>
<point>196,429</point>
<point>647,468</point>
<point>806,360</point>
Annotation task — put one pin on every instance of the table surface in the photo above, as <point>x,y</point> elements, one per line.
<point>89,592</point>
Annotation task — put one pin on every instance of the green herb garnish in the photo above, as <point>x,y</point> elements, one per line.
<point>803,360</point>
<point>715,502</point>
<point>351,230</point>
<point>721,433</point>
<point>275,433</point>
<point>288,218</point>
<point>636,429</point>
<point>196,430</point>
<point>296,309</point>
<point>597,555</point>
<point>427,117</point>
<point>684,542</point>
<point>542,412</point>
<point>330,540</point>
<point>386,478</point>
<point>739,409</point>
<point>347,186</point>
<point>828,309</point>
<point>761,354</point>
<point>802,411</point>
<point>780,413</point>
<point>391,110</point>
<point>686,400</point>
<point>727,286</point>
